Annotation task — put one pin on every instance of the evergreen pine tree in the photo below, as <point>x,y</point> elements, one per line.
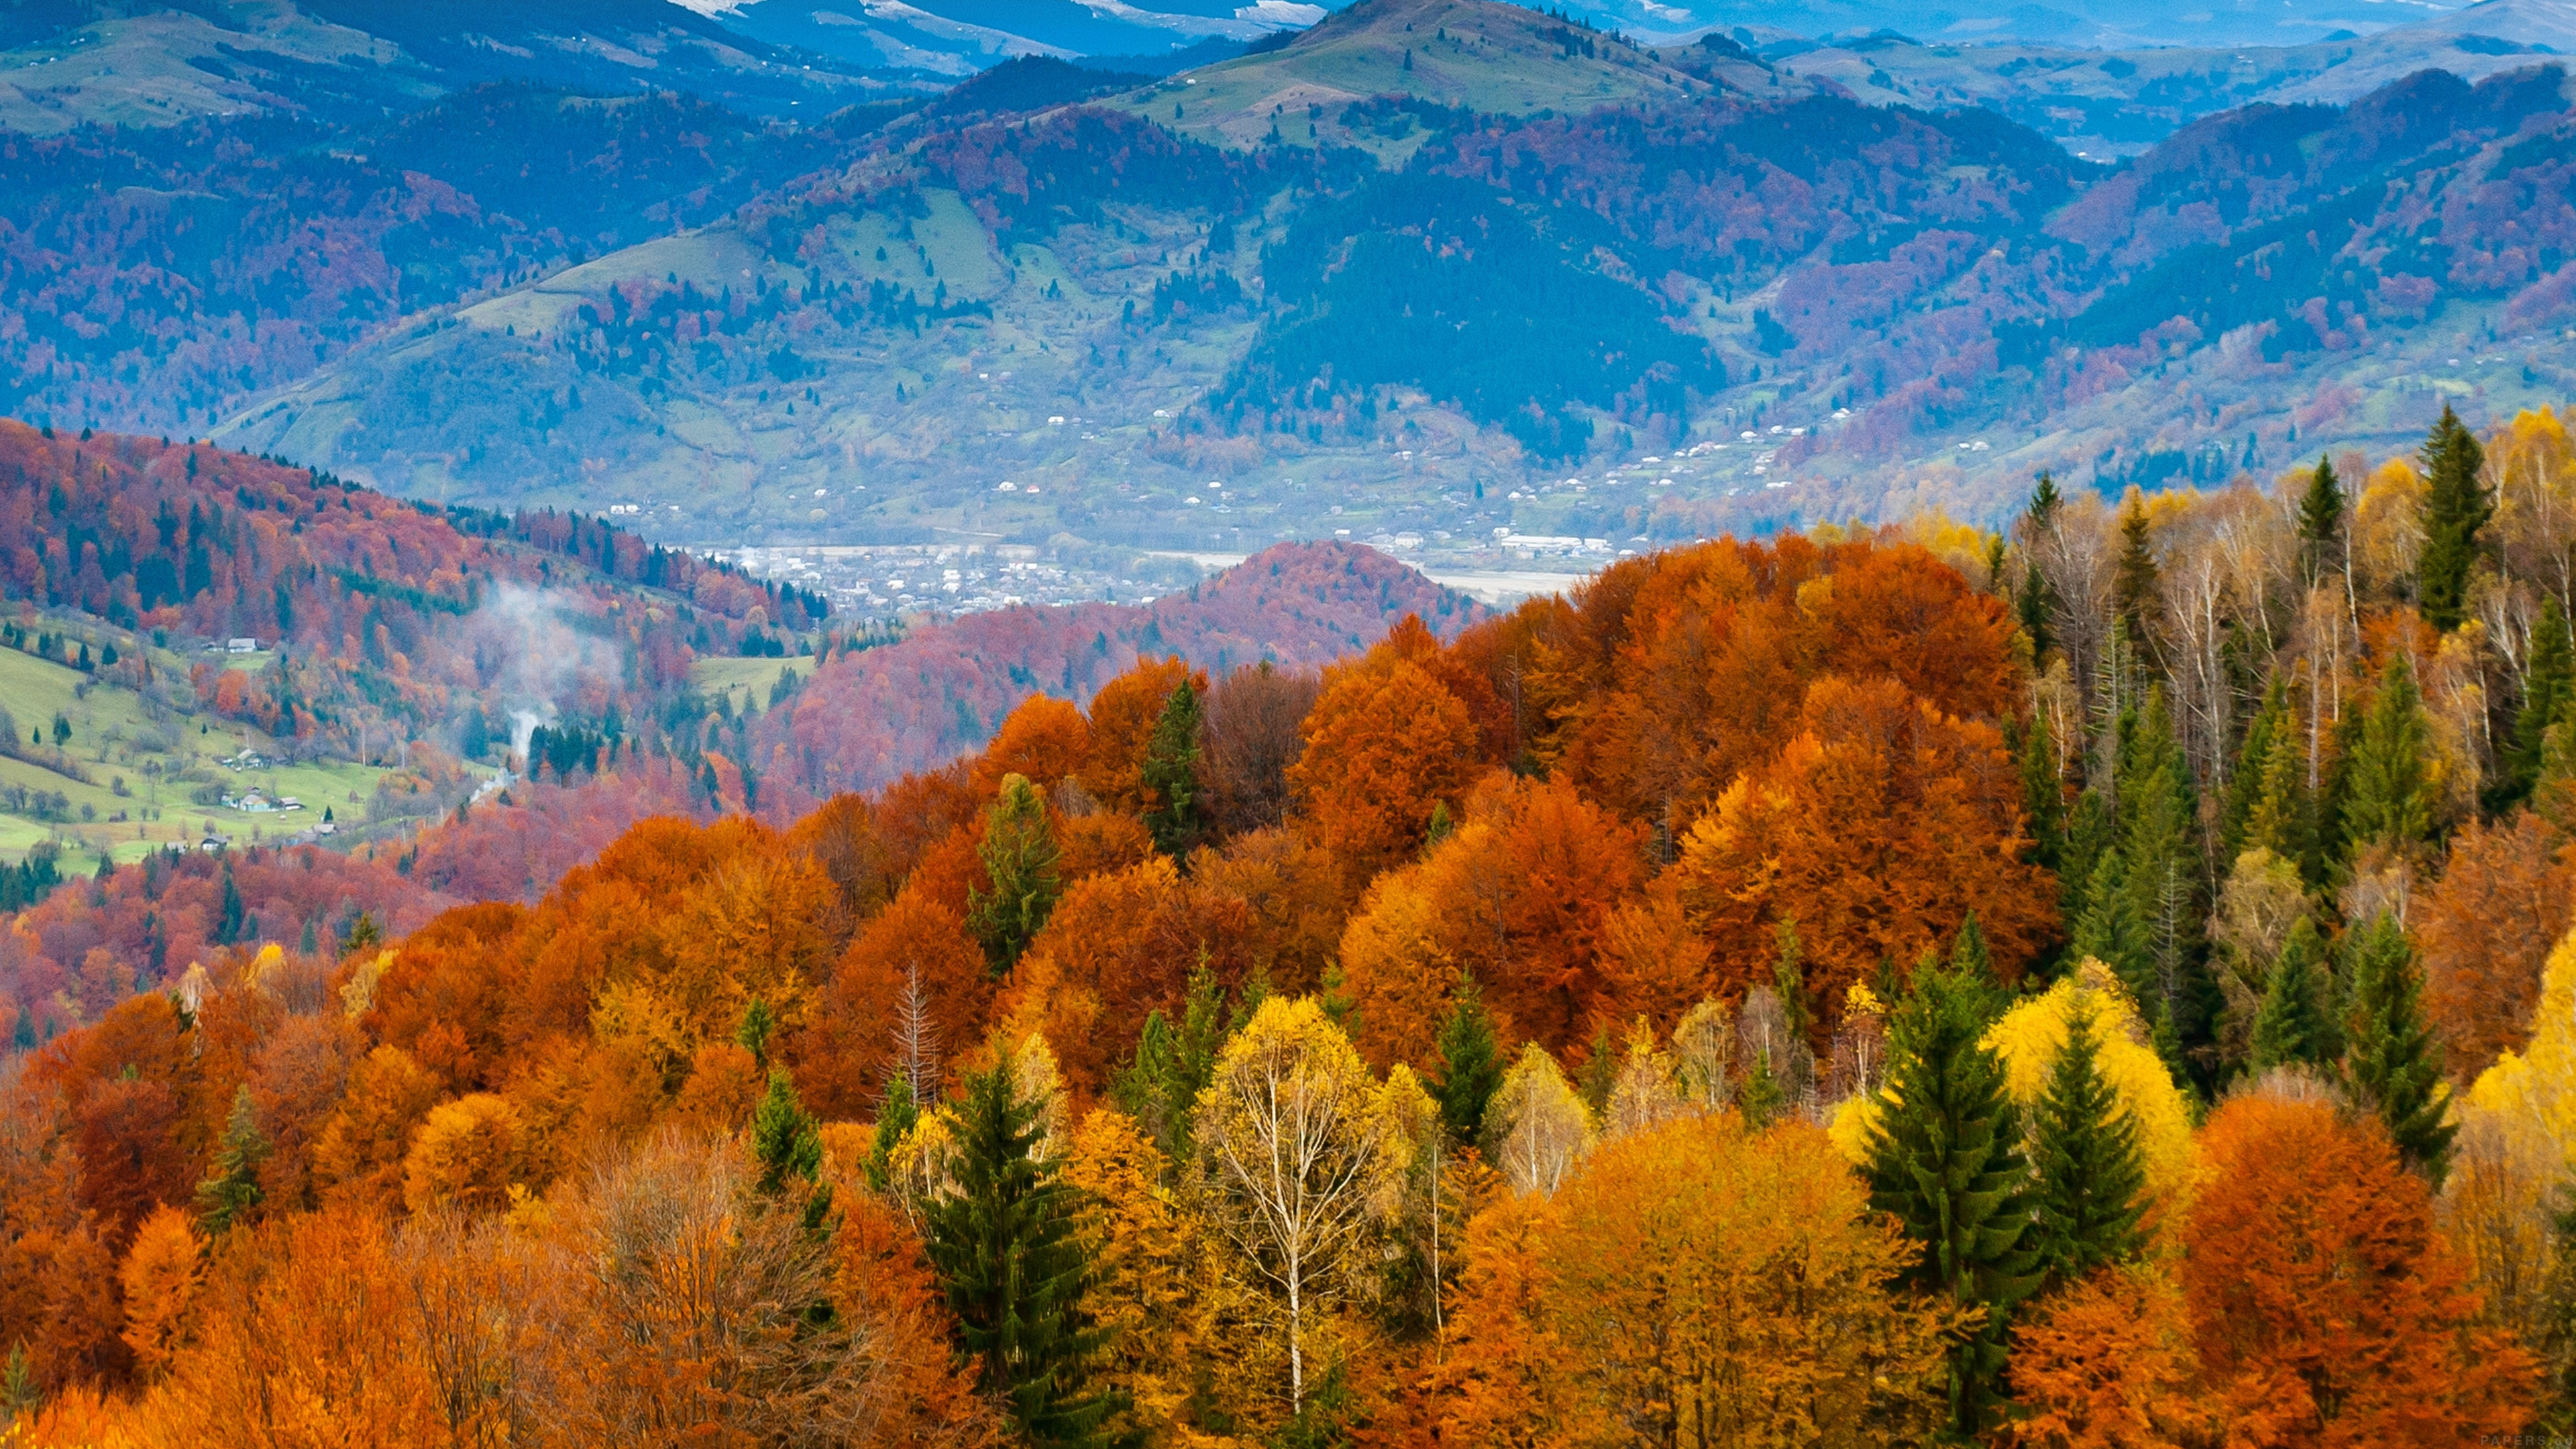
<point>1019,855</point>
<point>2456,506</point>
<point>895,1121</point>
<point>2321,523</point>
<point>2160,841</point>
<point>2245,783</point>
<point>231,1186</point>
<point>2392,1059</point>
<point>2088,1177</point>
<point>2290,1027</point>
<point>1761,1097</point>
<point>2388,788</point>
<point>2548,698</point>
<point>1945,1159</point>
<point>2110,932</point>
<point>20,1394</point>
<point>1788,977</point>
<point>1171,774</point>
<point>784,1138</point>
<point>2090,832</point>
<point>2133,581</point>
<point>229,921</point>
<point>752,1032</point>
<point>1160,1086</point>
<point>2032,603</point>
<point>2284,819</point>
<point>2043,793</point>
<point>1970,959</point>
<point>1471,1064</point>
<point>1008,1250</point>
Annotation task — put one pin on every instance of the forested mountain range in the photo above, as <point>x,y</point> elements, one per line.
<point>1377,276</point>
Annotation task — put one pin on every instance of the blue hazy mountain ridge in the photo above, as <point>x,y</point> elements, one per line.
<point>1116,295</point>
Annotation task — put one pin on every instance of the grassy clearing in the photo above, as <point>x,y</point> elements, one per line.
<point>746,681</point>
<point>146,761</point>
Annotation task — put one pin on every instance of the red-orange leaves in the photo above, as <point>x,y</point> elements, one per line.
<point>1878,829</point>
<point>2325,1308</point>
<point>1383,747</point>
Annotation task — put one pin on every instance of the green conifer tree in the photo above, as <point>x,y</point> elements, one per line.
<point>2548,699</point>
<point>1788,976</point>
<point>2161,844</point>
<point>2284,817</point>
<point>2321,523</point>
<point>1171,774</point>
<point>895,1121</point>
<point>1471,1063</point>
<point>784,1138</point>
<point>2388,786</point>
<point>1761,1097</point>
<point>20,1394</point>
<point>231,914</point>
<point>2043,793</point>
<point>2291,1027</point>
<point>231,1186</point>
<point>2088,1176</point>
<point>1019,855</point>
<point>2031,603</point>
<point>2110,932</point>
<point>2133,580</point>
<point>753,1031</point>
<point>1007,1246</point>
<point>2245,782</point>
<point>2392,1059</point>
<point>1945,1159</point>
<point>1160,1086</point>
<point>2456,506</point>
<point>2090,832</point>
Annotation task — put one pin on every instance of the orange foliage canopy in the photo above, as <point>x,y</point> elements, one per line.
<point>1879,828</point>
<point>1384,745</point>
<point>1678,672</point>
<point>2506,897</point>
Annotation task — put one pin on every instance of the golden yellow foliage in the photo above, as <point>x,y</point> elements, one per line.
<point>2030,1036</point>
<point>467,1153</point>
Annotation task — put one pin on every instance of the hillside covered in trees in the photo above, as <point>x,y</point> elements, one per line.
<point>2105,982</point>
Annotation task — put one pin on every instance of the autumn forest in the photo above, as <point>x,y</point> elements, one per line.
<point>2106,982</point>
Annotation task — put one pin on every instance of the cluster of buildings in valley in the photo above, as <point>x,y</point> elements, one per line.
<point>892,579</point>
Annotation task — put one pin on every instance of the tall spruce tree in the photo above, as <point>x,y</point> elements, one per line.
<point>2245,782</point>
<point>2548,699</point>
<point>2088,1175</point>
<point>2284,821</point>
<point>2290,1026</point>
<point>1019,854</point>
<point>1173,1062</point>
<point>2043,791</point>
<point>231,1187</point>
<point>2392,1059</point>
<point>1171,774</point>
<point>1008,1249</point>
<point>895,1121</point>
<point>2321,523</point>
<point>2031,602</point>
<point>2161,842</point>
<point>2388,787</point>
<point>2456,506</point>
<point>1471,1063</point>
<point>2133,580</point>
<point>1944,1156</point>
<point>2090,831</point>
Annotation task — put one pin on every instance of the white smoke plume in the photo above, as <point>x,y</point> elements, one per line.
<point>538,662</point>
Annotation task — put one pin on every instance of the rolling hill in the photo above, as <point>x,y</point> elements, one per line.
<point>1253,302</point>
